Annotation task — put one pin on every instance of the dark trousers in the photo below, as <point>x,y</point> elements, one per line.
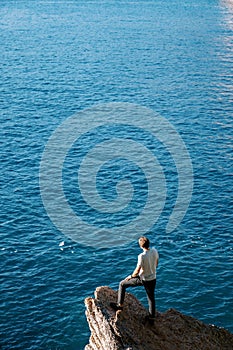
<point>134,282</point>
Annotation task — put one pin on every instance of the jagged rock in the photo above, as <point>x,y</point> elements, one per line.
<point>128,330</point>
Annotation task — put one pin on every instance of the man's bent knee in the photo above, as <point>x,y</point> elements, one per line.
<point>122,283</point>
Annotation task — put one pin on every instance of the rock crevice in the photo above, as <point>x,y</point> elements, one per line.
<point>128,329</point>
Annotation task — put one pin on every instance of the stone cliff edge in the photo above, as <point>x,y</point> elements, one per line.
<point>128,330</point>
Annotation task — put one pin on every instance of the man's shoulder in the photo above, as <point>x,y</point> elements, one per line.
<point>154,251</point>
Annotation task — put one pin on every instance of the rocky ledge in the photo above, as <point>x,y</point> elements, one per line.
<point>128,330</point>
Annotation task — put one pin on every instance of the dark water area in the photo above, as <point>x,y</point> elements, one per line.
<point>59,58</point>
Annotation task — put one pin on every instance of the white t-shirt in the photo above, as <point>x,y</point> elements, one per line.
<point>148,262</point>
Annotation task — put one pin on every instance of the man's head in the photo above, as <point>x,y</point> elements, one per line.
<point>144,242</point>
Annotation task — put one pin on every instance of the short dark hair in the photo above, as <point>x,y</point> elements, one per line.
<point>144,242</point>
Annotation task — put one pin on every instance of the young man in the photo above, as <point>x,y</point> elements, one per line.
<point>143,275</point>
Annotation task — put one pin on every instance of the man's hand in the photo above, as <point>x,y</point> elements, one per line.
<point>128,278</point>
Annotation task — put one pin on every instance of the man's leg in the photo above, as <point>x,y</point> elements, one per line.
<point>150,292</point>
<point>123,285</point>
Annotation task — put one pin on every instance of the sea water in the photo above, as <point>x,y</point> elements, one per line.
<point>59,58</point>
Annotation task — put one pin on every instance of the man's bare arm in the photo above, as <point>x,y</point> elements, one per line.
<point>136,271</point>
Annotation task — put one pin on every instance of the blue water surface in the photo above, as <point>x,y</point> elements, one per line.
<point>60,57</point>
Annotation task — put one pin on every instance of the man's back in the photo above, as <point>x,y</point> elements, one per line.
<point>148,260</point>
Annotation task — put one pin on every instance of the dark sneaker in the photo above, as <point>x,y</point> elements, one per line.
<point>150,320</point>
<point>116,307</point>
